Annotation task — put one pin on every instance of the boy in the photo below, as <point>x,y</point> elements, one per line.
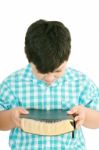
<point>47,83</point>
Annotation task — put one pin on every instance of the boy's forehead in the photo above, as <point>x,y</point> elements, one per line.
<point>61,66</point>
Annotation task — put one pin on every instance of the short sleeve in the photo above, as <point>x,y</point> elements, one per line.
<point>90,96</point>
<point>6,97</point>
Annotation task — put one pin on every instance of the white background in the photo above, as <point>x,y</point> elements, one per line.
<point>82,19</point>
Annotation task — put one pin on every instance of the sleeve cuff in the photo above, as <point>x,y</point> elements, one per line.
<point>2,108</point>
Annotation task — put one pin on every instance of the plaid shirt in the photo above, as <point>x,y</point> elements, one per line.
<point>23,89</point>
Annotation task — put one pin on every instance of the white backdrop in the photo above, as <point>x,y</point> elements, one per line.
<point>81,17</point>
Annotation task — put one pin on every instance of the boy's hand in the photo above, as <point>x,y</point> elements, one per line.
<point>15,116</point>
<point>79,113</point>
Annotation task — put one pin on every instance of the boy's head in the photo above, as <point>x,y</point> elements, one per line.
<point>47,45</point>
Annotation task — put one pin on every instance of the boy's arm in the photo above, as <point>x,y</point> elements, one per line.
<point>87,111</point>
<point>85,116</point>
<point>5,120</point>
<point>91,119</point>
<point>10,118</point>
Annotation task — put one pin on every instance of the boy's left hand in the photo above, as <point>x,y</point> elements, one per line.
<point>79,113</point>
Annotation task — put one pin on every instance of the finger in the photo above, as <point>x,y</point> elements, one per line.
<point>73,110</point>
<point>79,124</point>
<point>16,119</point>
<point>18,123</point>
<point>77,118</point>
<point>22,110</point>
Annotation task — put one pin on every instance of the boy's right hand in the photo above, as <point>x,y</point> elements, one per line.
<point>15,116</point>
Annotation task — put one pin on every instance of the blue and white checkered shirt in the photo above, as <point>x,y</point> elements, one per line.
<point>23,89</point>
